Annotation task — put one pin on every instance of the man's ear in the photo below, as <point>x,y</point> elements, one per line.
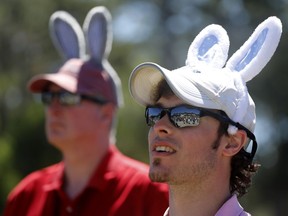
<point>108,111</point>
<point>235,143</point>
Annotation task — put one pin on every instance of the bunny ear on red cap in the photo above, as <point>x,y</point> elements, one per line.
<point>97,29</point>
<point>85,52</point>
<point>67,35</point>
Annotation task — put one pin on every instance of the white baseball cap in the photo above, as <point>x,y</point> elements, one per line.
<point>206,80</point>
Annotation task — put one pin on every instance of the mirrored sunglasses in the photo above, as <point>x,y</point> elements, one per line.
<point>179,116</point>
<point>67,98</point>
<point>189,116</point>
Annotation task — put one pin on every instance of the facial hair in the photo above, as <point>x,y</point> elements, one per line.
<point>162,175</point>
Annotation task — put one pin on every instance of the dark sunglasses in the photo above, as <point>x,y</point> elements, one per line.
<point>67,98</point>
<point>179,116</point>
<point>187,116</point>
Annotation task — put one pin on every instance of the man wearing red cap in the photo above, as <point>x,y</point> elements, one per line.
<point>94,178</point>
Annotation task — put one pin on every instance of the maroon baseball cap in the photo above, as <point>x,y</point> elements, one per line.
<point>78,76</point>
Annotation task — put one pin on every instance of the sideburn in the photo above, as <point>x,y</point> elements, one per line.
<point>222,130</point>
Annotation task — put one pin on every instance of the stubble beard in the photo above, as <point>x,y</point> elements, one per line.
<point>156,174</point>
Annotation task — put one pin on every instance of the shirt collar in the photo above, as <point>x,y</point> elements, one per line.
<point>104,173</point>
<point>55,177</point>
<point>231,207</point>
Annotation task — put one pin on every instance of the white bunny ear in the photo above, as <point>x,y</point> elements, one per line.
<point>210,47</point>
<point>67,35</point>
<point>98,32</point>
<point>256,52</point>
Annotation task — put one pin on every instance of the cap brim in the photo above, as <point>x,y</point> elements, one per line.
<point>183,82</point>
<point>39,83</point>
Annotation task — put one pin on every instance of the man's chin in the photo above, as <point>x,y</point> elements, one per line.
<point>56,141</point>
<point>157,176</point>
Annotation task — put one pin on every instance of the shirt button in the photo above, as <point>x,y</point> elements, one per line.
<point>69,209</point>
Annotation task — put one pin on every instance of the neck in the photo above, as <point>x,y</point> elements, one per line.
<point>203,200</point>
<point>80,166</point>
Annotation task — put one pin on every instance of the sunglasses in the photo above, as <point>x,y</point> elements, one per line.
<point>189,116</point>
<point>180,116</point>
<point>67,98</point>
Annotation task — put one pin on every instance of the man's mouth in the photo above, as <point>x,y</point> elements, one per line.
<point>165,149</point>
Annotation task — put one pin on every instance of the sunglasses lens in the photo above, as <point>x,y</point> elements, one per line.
<point>64,98</point>
<point>46,98</point>
<point>181,116</point>
<point>69,99</point>
<point>153,114</point>
<point>185,116</point>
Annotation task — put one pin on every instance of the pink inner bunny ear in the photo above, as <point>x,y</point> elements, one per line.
<point>209,48</point>
<point>98,31</point>
<point>67,35</point>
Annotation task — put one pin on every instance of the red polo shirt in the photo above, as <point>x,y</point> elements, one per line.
<point>119,187</point>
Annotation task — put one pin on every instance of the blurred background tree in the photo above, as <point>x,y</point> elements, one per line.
<point>151,30</point>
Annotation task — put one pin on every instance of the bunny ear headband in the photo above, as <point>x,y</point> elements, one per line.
<point>91,43</point>
<point>206,81</point>
<point>209,51</point>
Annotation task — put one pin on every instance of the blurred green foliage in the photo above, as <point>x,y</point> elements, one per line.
<point>159,31</point>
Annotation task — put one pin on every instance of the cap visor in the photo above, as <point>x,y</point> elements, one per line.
<point>39,83</point>
<point>183,82</point>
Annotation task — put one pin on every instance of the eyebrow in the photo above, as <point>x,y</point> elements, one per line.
<point>168,97</point>
<point>159,104</point>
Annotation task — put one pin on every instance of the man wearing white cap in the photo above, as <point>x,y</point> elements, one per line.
<point>202,118</point>
<point>81,101</point>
